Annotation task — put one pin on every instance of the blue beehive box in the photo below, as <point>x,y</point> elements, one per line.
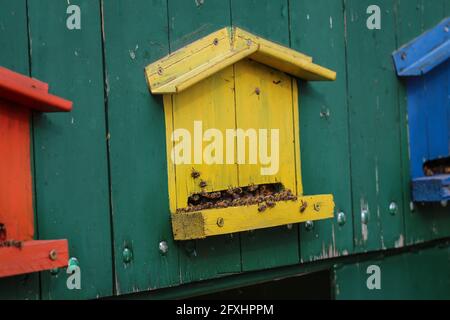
<point>426,65</point>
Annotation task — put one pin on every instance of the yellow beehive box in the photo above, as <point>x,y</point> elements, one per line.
<point>232,132</point>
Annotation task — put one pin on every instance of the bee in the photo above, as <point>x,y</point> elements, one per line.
<point>202,184</point>
<point>216,195</point>
<point>303,206</point>
<point>236,196</point>
<point>207,205</point>
<point>195,174</point>
<point>223,204</point>
<point>270,204</point>
<point>213,195</point>
<point>236,202</point>
<point>237,190</point>
<point>262,208</point>
<point>263,189</point>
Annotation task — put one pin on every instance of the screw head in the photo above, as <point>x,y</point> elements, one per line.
<point>127,255</point>
<point>446,29</point>
<point>403,55</point>
<point>317,207</point>
<point>393,208</point>
<point>73,262</point>
<point>289,226</point>
<point>220,222</point>
<point>257,91</point>
<point>249,42</point>
<point>365,216</point>
<point>216,42</point>
<point>341,218</point>
<point>163,247</point>
<point>411,206</point>
<point>444,203</point>
<point>160,71</point>
<point>53,255</point>
<point>309,225</point>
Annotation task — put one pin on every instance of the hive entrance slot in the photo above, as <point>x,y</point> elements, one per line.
<point>436,167</point>
<point>264,195</point>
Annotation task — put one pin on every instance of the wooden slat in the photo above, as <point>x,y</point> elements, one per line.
<point>317,27</point>
<point>431,189</point>
<point>424,53</point>
<point>33,256</point>
<point>200,59</point>
<point>274,247</point>
<point>23,80</point>
<point>374,129</point>
<point>210,102</point>
<point>203,224</point>
<point>135,35</point>
<point>215,256</point>
<point>270,109</point>
<point>14,56</point>
<point>30,93</point>
<point>16,204</point>
<point>70,149</point>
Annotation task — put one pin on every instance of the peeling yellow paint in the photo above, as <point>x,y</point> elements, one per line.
<point>219,50</point>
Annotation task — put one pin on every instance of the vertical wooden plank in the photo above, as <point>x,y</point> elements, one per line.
<point>270,109</point>
<point>317,29</point>
<point>417,124</point>
<point>14,37</point>
<point>215,256</point>
<point>140,203</point>
<point>72,192</point>
<point>200,104</point>
<point>423,222</point>
<point>16,204</point>
<point>434,13</point>
<point>192,20</point>
<point>374,128</point>
<point>272,247</point>
<point>435,83</point>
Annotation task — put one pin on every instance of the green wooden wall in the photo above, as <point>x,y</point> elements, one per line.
<point>415,275</point>
<point>100,171</point>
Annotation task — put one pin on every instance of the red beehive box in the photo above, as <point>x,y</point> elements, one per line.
<point>19,253</point>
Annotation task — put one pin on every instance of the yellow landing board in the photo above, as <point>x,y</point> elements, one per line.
<point>198,225</point>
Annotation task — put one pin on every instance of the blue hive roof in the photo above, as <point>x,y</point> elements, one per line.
<point>425,52</point>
